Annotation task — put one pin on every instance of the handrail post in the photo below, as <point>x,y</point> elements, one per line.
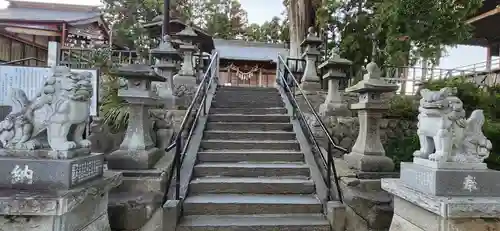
<point>178,148</point>
<point>329,171</point>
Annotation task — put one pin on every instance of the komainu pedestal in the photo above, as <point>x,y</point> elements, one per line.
<point>49,179</point>
<point>447,187</point>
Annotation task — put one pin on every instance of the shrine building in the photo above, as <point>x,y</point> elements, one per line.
<point>27,27</point>
<point>249,64</point>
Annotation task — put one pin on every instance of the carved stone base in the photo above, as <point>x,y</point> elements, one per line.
<point>418,211</point>
<point>310,87</point>
<point>52,174</point>
<point>331,109</point>
<point>45,153</point>
<point>184,90</point>
<point>134,159</point>
<point>80,209</point>
<point>369,163</point>
<point>134,202</point>
<point>449,165</point>
<point>450,182</point>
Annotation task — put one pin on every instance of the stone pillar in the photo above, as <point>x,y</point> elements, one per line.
<point>136,200</point>
<point>54,54</point>
<point>50,179</point>
<point>185,81</point>
<point>368,206</point>
<point>335,70</point>
<point>447,187</point>
<point>310,80</point>
<point>167,56</point>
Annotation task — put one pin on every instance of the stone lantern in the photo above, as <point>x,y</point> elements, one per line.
<point>368,154</point>
<point>185,80</point>
<point>137,151</point>
<point>310,79</point>
<point>335,69</point>
<point>166,66</point>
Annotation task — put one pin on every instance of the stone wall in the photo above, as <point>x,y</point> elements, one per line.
<point>367,206</point>
<point>344,130</point>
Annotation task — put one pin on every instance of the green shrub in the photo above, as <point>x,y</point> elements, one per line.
<point>403,107</point>
<point>400,149</point>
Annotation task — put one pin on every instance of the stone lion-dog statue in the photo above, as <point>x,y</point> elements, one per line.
<point>61,109</point>
<point>444,132</point>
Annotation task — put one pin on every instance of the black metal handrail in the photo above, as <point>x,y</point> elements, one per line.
<point>291,85</point>
<point>23,60</point>
<point>189,123</point>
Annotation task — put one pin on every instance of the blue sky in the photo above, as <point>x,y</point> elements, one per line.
<point>261,10</point>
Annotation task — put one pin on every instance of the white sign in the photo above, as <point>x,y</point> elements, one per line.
<point>31,80</point>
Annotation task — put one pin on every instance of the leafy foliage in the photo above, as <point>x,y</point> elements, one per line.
<point>403,107</point>
<point>425,25</point>
<point>401,149</point>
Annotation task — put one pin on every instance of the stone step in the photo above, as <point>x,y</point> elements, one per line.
<point>253,185</point>
<point>252,169</point>
<point>248,135</point>
<point>228,94</point>
<point>247,98</point>
<point>246,89</point>
<point>250,144</point>
<point>227,204</point>
<point>249,126</point>
<point>250,156</point>
<point>261,222</point>
<point>272,118</point>
<point>247,104</point>
<point>251,111</point>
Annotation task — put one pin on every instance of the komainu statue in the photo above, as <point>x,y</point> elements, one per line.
<point>61,109</point>
<point>445,134</point>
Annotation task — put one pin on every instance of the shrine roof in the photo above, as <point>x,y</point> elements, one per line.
<point>176,25</point>
<point>43,12</point>
<point>249,51</point>
<point>486,18</point>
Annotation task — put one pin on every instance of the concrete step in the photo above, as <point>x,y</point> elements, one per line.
<point>250,144</point>
<point>251,111</point>
<point>249,126</point>
<point>247,104</point>
<point>246,89</point>
<point>248,98</point>
<point>248,135</point>
<point>252,169</point>
<point>266,222</point>
<point>227,204</point>
<point>250,156</point>
<point>272,118</point>
<point>251,185</point>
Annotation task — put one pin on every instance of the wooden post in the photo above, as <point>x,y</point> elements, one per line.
<point>166,18</point>
<point>488,58</point>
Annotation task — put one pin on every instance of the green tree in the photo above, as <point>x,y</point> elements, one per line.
<point>424,26</point>
<point>224,18</point>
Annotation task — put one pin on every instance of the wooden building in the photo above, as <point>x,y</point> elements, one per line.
<point>27,27</point>
<point>244,63</point>
<point>485,33</point>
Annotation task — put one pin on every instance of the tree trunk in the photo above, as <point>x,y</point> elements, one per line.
<point>299,16</point>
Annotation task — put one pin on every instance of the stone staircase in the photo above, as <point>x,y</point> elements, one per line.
<point>250,172</point>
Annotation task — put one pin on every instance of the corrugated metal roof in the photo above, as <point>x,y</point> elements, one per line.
<point>26,14</point>
<point>243,50</point>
